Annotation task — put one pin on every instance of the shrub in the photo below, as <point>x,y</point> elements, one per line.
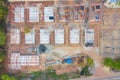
<point>85,71</point>
<point>114,64</point>
<point>2,38</point>
<point>27,30</point>
<point>48,74</point>
<point>90,62</point>
<point>7,77</point>
<point>108,62</point>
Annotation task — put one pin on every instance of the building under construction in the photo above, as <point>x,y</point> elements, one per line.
<point>51,22</point>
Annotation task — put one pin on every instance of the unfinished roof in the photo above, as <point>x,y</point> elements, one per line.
<point>74,36</point>
<point>28,0</point>
<point>14,36</point>
<point>30,37</point>
<point>95,12</point>
<point>79,12</point>
<point>59,36</point>
<point>44,36</point>
<point>17,60</point>
<point>64,13</point>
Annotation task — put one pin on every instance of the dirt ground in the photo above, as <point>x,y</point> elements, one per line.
<point>58,51</point>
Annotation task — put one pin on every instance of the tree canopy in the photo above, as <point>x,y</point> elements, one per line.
<point>90,62</point>
<point>2,56</point>
<point>3,9</point>
<point>3,15</point>
<point>7,77</point>
<point>118,3</point>
<point>2,38</point>
<point>3,12</point>
<point>112,63</point>
<point>85,71</point>
<point>108,62</point>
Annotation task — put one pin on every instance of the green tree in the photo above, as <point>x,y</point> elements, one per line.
<point>90,62</point>
<point>27,30</point>
<point>2,38</point>
<point>3,12</point>
<point>3,9</point>
<point>118,3</point>
<point>7,77</point>
<point>114,64</point>
<point>2,56</point>
<point>108,62</point>
<point>3,15</point>
<point>85,71</point>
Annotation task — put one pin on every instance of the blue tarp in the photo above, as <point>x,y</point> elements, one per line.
<point>97,17</point>
<point>113,0</point>
<point>69,60</point>
<point>51,17</point>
